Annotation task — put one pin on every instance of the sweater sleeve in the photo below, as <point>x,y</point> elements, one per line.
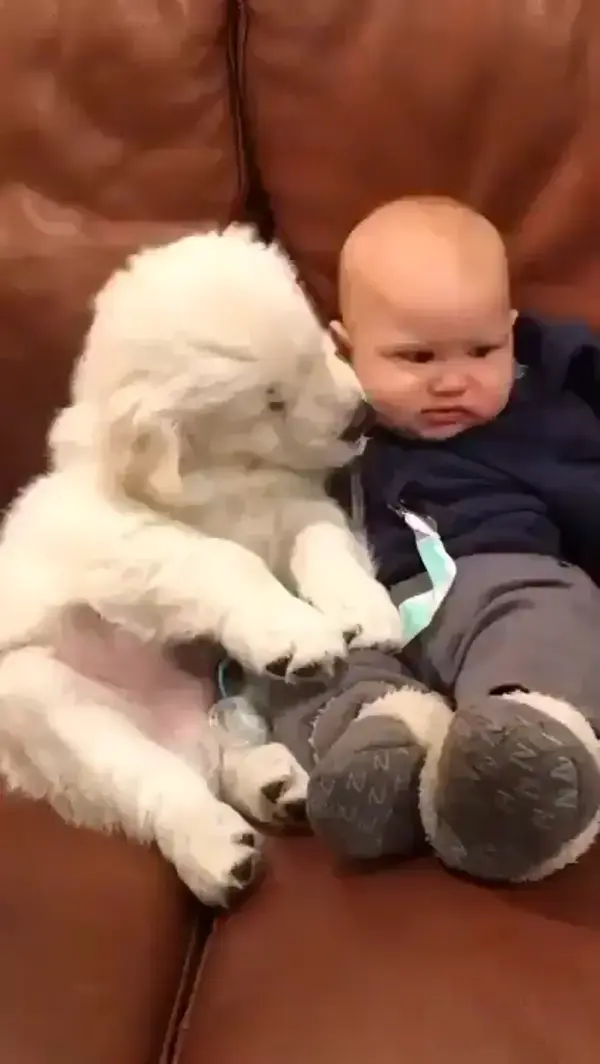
<point>565,358</point>
<point>565,353</point>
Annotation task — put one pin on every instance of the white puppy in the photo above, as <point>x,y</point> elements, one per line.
<point>185,497</point>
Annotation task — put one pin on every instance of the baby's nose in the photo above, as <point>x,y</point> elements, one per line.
<point>449,384</point>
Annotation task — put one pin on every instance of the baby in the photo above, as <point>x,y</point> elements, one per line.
<point>488,427</point>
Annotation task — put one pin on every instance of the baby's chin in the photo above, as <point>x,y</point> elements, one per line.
<point>445,431</point>
<point>440,425</point>
<point>427,427</point>
<point>430,428</point>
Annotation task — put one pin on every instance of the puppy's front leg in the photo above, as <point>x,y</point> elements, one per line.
<point>332,569</point>
<point>193,585</point>
<point>61,741</point>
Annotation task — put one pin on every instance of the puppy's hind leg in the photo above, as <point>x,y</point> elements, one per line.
<point>264,782</point>
<point>65,739</point>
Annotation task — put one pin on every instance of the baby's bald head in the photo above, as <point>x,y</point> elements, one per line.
<point>427,276</point>
<point>413,251</point>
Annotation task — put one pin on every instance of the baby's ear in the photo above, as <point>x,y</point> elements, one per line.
<point>340,338</point>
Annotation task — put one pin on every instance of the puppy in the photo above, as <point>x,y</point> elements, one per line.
<point>185,500</point>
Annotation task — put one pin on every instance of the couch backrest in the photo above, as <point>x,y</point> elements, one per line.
<point>126,122</point>
<point>115,130</point>
<point>496,102</point>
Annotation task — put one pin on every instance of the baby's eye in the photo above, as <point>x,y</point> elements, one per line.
<point>415,355</point>
<point>482,350</point>
<point>420,356</point>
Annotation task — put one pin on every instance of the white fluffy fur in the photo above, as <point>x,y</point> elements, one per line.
<point>426,714</point>
<point>185,494</point>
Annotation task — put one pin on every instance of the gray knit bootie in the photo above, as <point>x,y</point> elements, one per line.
<point>512,792</point>
<point>370,738</point>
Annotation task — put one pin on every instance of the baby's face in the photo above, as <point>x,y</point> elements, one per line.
<point>438,359</point>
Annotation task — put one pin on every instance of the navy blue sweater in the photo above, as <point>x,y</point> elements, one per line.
<point>527,482</point>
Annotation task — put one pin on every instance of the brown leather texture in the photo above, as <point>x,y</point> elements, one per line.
<point>410,964</point>
<point>494,102</point>
<point>97,941</point>
<point>116,129</point>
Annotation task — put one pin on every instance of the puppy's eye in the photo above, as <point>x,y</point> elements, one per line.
<point>274,401</point>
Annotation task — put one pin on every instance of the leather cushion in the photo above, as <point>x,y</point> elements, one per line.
<point>98,941</point>
<point>115,130</point>
<point>495,103</point>
<point>410,964</point>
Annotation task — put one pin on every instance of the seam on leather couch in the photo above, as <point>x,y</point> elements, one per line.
<point>258,208</point>
<point>241,156</point>
<point>179,1041</point>
<point>185,991</point>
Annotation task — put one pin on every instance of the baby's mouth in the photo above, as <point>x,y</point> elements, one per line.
<point>445,415</point>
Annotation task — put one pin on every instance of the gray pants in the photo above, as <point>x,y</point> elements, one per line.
<point>514,621</point>
<point>506,788</point>
<point>510,622</point>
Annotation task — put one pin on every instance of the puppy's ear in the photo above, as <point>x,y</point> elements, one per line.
<point>142,450</point>
<point>71,435</point>
<point>155,465</point>
<point>340,338</point>
<point>243,231</point>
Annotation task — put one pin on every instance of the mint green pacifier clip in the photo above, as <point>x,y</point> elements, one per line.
<point>418,611</point>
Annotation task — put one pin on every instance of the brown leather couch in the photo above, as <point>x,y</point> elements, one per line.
<point>129,121</point>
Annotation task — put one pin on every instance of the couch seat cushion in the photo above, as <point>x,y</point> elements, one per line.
<point>410,964</point>
<point>98,940</point>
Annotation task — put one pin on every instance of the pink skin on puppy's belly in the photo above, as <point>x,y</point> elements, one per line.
<point>168,704</point>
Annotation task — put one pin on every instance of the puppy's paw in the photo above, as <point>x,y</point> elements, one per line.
<point>217,859</point>
<point>366,614</point>
<point>267,783</point>
<point>288,639</point>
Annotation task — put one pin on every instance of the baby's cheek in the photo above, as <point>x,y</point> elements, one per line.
<point>491,402</point>
<point>395,411</point>
<point>498,397</point>
<point>391,391</point>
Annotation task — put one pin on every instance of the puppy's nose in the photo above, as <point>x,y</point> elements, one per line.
<point>362,420</point>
